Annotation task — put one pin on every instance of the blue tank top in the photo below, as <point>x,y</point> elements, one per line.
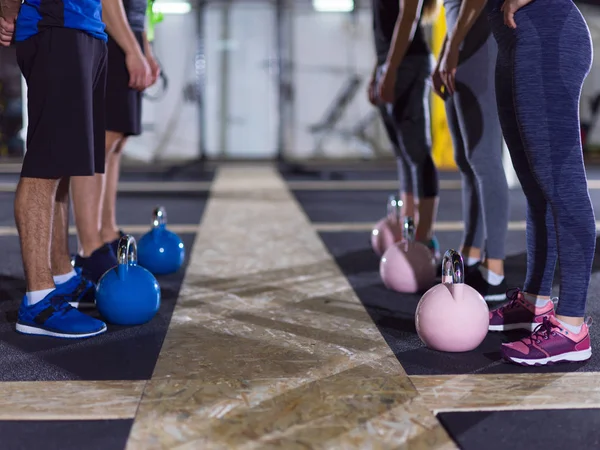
<point>38,15</point>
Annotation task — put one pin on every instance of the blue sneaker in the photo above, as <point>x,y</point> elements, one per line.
<point>97,264</point>
<point>115,244</point>
<point>79,292</point>
<point>54,316</point>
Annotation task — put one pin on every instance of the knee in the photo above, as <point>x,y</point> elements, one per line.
<point>113,142</point>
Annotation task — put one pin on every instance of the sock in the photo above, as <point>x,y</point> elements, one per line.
<point>538,302</point>
<point>492,278</point>
<point>60,279</point>
<point>572,328</point>
<point>471,261</point>
<point>34,297</point>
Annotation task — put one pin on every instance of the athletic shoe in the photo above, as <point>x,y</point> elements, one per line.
<point>519,314</point>
<point>114,245</point>
<point>54,316</point>
<point>550,343</point>
<point>490,292</point>
<point>97,264</point>
<point>79,292</point>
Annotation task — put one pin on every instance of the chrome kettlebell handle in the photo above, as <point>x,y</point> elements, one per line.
<point>159,217</point>
<point>453,267</point>
<point>127,250</point>
<point>394,207</point>
<point>408,231</point>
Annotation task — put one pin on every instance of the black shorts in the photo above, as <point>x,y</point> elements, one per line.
<point>123,104</point>
<point>65,71</point>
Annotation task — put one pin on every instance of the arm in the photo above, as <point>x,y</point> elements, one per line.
<point>442,51</point>
<point>10,8</point>
<point>117,26</point>
<point>468,14</point>
<point>147,46</point>
<point>404,32</point>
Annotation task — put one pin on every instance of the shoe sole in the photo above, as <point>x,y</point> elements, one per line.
<point>28,329</point>
<point>495,297</point>
<point>513,326</point>
<point>82,305</point>
<point>582,355</point>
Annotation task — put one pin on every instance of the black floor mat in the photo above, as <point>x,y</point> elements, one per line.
<point>64,434</point>
<point>393,313</point>
<point>557,429</point>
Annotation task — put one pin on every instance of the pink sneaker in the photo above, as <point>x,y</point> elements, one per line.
<point>518,313</point>
<point>549,344</point>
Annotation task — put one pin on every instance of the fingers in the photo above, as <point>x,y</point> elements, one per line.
<point>509,14</point>
<point>7,29</point>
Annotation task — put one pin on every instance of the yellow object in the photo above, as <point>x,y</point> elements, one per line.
<point>443,152</point>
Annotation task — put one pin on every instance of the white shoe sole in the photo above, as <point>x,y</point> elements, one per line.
<point>578,356</point>
<point>514,326</point>
<point>27,329</point>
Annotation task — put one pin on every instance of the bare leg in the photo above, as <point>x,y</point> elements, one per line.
<point>59,254</point>
<point>109,229</point>
<point>408,206</point>
<point>34,211</point>
<point>427,214</point>
<point>87,193</point>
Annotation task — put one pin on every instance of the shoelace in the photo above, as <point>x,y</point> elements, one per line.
<point>60,304</point>
<point>543,331</point>
<point>513,296</point>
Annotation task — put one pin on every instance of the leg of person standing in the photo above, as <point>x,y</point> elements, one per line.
<point>477,139</point>
<point>60,144</point>
<point>409,114</point>
<point>128,73</point>
<point>542,64</point>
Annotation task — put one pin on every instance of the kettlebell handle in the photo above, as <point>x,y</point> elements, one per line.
<point>409,229</point>
<point>453,267</point>
<point>127,250</point>
<point>159,217</point>
<point>394,207</point>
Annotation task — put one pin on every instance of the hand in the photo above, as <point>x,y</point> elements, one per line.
<point>509,8</point>
<point>438,84</point>
<point>7,30</point>
<point>139,71</point>
<point>154,69</point>
<point>371,93</point>
<point>387,85</point>
<point>447,66</point>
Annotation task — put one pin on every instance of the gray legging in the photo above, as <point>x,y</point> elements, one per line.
<point>409,129</point>
<point>477,138</point>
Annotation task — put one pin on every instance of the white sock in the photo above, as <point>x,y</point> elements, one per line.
<point>538,302</point>
<point>37,296</point>
<point>471,261</point>
<point>572,328</point>
<point>491,277</point>
<point>60,279</point>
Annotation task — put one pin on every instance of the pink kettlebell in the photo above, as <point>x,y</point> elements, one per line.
<point>388,230</point>
<point>407,266</point>
<point>452,316</point>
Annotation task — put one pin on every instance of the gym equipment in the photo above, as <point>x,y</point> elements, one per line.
<point>388,230</point>
<point>128,294</point>
<point>408,266</point>
<point>160,250</point>
<point>452,316</point>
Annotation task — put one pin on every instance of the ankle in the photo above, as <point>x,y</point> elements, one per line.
<point>88,248</point>
<point>539,301</point>
<point>109,234</point>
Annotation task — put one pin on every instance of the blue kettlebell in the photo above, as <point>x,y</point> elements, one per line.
<point>160,251</point>
<point>127,294</point>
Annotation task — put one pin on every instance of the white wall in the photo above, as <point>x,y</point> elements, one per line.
<point>171,124</point>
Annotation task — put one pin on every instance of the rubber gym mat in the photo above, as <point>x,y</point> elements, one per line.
<point>133,209</point>
<point>525,429</point>
<point>122,353</point>
<point>65,434</point>
<point>371,206</point>
<point>393,313</point>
